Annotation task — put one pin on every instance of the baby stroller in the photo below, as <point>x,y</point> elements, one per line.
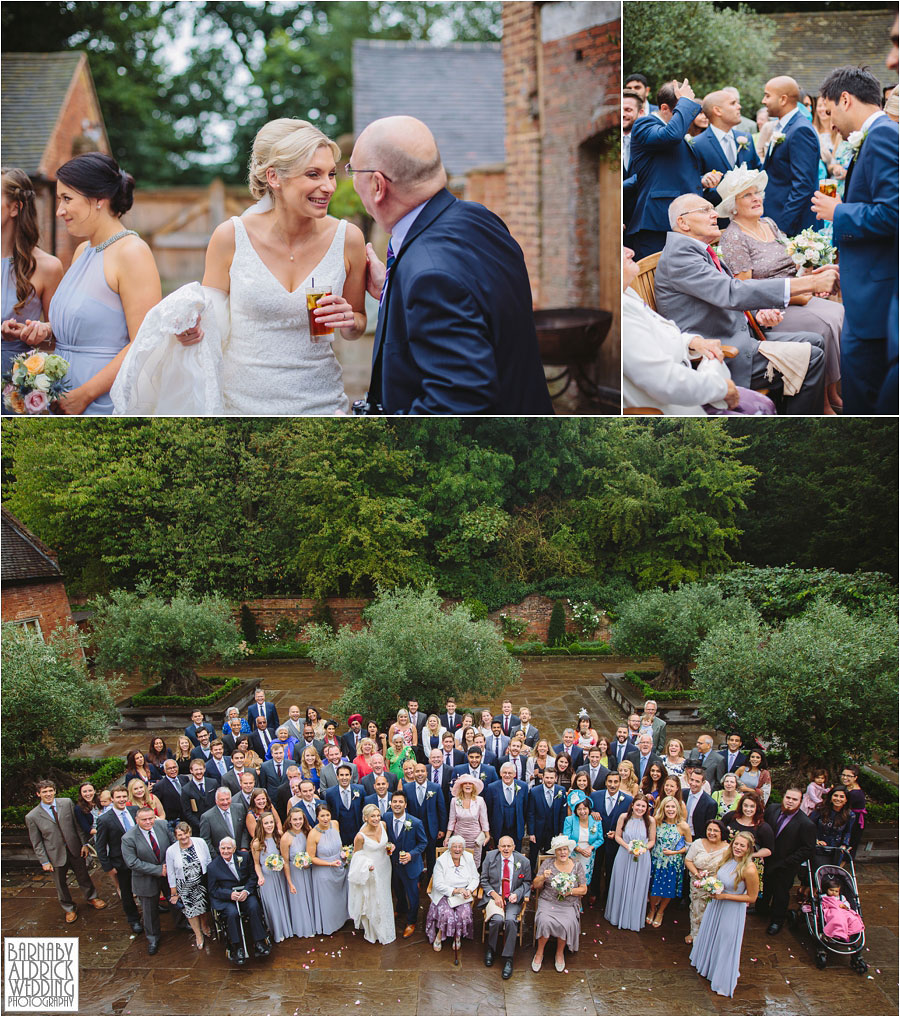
<point>813,911</point>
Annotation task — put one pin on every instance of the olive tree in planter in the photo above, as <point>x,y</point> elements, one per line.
<point>411,648</point>
<point>164,639</point>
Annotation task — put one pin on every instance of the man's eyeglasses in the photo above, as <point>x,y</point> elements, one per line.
<point>704,208</point>
<point>351,170</point>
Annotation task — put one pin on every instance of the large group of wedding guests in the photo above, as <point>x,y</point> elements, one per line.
<point>718,198</point>
<point>294,829</point>
<point>455,330</point>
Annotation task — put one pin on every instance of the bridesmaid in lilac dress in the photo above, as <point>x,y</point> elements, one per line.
<point>30,275</point>
<point>112,282</point>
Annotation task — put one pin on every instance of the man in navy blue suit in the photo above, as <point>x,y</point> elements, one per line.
<point>506,801</point>
<point>607,806</point>
<point>722,146</point>
<point>346,804</point>
<point>664,165</point>
<point>638,84</point>
<point>865,232</point>
<point>425,801</point>
<point>546,814</point>
<point>407,834</point>
<point>474,767</point>
<point>792,159</point>
<point>198,721</point>
<point>455,327</point>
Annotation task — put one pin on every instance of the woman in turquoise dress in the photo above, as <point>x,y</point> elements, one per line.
<point>673,835</point>
<point>587,833</point>
<point>110,286</point>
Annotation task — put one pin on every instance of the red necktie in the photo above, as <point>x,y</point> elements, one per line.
<point>154,845</point>
<point>505,886</point>
<point>718,264</point>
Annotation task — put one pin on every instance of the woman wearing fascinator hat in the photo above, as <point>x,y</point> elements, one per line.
<point>246,344</point>
<point>753,247</point>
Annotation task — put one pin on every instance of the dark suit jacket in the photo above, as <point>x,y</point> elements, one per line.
<point>349,820</point>
<point>348,747</point>
<point>600,783</point>
<point>865,232</point>
<point>108,840</point>
<point>268,779</point>
<point>486,772</point>
<point>432,812</point>
<point>213,827</point>
<point>373,800</point>
<point>457,722</point>
<point>545,823</point>
<point>170,798</point>
<point>630,755</point>
<point>194,803</point>
<point>664,164</point>
<point>796,842</point>
<point>514,724</point>
<point>256,742</point>
<point>653,758</point>
<point>271,715</point>
<point>709,155</point>
<point>575,754</point>
<point>531,736</point>
<point>492,876</point>
<point>368,782</point>
<point>523,764</point>
<point>191,732</point>
<point>444,781</point>
<point>456,330</point>
<point>212,770</point>
<point>413,840</point>
<point>230,740</point>
<point>232,781</point>
<point>495,799</point>
<point>609,819</point>
<point>705,810</point>
<point>281,806</point>
<point>792,167</point>
<point>198,753</point>
<point>221,882</point>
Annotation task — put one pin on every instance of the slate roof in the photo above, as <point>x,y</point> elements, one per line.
<point>457,90</point>
<point>24,558</point>
<point>34,88</point>
<point>808,46</point>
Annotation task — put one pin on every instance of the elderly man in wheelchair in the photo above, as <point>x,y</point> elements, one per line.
<point>232,891</point>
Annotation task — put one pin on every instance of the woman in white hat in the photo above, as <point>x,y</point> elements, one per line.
<point>560,885</point>
<point>468,814</point>
<point>753,248</point>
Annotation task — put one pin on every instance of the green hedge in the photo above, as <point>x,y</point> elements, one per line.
<point>107,770</point>
<point>221,685</point>
<point>279,651</point>
<point>639,680</point>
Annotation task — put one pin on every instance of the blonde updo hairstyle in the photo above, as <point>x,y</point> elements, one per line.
<point>287,146</point>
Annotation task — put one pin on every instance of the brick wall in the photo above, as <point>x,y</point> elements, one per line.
<point>45,601</point>
<point>535,610</point>
<point>487,186</point>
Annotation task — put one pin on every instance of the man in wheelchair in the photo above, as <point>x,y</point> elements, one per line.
<point>232,890</point>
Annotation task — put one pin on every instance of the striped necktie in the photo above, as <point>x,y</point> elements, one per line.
<point>389,264</point>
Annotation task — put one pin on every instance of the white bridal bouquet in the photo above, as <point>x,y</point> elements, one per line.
<point>709,885</point>
<point>563,883</point>
<point>810,249</point>
<point>34,382</point>
<point>274,862</point>
<point>636,848</point>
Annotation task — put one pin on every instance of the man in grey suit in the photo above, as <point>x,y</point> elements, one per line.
<point>651,709</point>
<point>328,776</point>
<point>527,728</point>
<point>232,779</point>
<point>224,819</point>
<point>506,882</point>
<point>60,845</point>
<point>144,850</point>
<point>712,762</point>
<point>700,295</point>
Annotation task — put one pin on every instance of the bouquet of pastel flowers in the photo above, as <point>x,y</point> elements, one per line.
<point>302,860</point>
<point>274,862</point>
<point>810,249</point>
<point>34,382</point>
<point>708,885</point>
<point>564,883</point>
<point>637,848</point>
<point>346,854</point>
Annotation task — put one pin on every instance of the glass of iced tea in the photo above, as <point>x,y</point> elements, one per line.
<point>314,293</point>
<point>828,187</point>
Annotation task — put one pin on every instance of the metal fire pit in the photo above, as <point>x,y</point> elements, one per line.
<point>571,337</point>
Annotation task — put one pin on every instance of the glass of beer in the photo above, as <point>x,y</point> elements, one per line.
<point>828,187</point>
<point>314,293</point>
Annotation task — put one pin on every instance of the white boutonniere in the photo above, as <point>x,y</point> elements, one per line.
<point>742,141</point>
<point>518,865</point>
<point>356,794</point>
<point>407,825</point>
<point>855,141</point>
<point>429,794</point>
<point>777,138</point>
<point>689,138</point>
<point>560,794</point>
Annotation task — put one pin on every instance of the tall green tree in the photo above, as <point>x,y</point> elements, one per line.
<point>696,39</point>
<point>412,648</point>
<point>818,686</point>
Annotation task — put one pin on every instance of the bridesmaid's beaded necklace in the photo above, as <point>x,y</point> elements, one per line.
<point>114,238</point>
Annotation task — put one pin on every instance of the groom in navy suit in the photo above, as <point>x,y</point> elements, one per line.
<point>408,836</point>
<point>455,327</point>
<point>865,232</point>
<point>792,158</point>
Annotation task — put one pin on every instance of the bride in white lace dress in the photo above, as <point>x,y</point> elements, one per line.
<point>369,879</point>
<point>253,320</point>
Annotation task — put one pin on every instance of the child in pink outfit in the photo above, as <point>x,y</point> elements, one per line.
<point>841,921</point>
<point>815,792</point>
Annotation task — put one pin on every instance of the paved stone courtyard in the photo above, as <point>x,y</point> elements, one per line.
<point>615,972</point>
